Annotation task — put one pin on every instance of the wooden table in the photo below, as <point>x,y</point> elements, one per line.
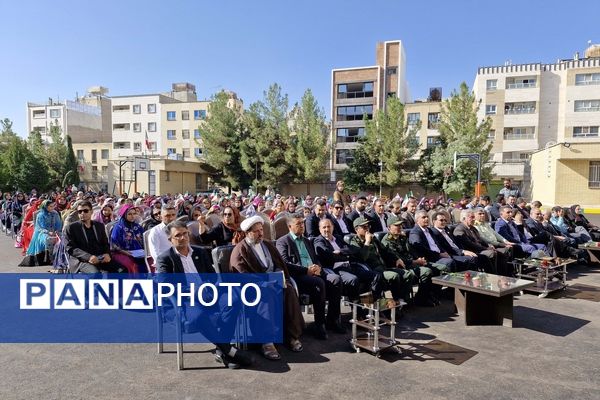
<point>481,298</point>
<point>593,252</point>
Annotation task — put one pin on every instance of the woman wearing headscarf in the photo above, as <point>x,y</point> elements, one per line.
<point>127,240</point>
<point>226,232</point>
<point>105,214</point>
<point>580,220</point>
<point>45,235</point>
<point>17,211</point>
<point>28,224</point>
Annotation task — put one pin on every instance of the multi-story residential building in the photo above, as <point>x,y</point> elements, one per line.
<point>85,120</point>
<point>360,91</point>
<point>533,106</point>
<point>428,114</point>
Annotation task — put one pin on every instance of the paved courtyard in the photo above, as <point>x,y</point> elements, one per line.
<point>551,353</point>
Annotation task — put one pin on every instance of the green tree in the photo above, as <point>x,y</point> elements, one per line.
<point>56,156</point>
<point>389,140</point>
<point>71,166</point>
<point>26,170</point>
<point>363,172</point>
<point>460,132</point>
<point>6,135</point>
<point>269,149</point>
<point>222,135</point>
<point>310,140</point>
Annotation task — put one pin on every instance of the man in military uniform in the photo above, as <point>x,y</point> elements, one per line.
<point>395,242</point>
<point>371,252</point>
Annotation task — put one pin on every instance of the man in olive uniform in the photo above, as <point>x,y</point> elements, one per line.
<point>395,242</point>
<point>371,252</point>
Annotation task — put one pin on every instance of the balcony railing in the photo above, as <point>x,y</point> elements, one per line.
<point>519,136</point>
<point>512,111</point>
<point>520,85</point>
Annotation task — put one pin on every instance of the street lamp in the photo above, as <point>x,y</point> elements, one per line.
<point>475,157</point>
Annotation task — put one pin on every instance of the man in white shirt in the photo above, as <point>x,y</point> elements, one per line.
<point>158,241</point>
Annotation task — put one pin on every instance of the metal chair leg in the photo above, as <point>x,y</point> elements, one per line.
<point>179,345</point>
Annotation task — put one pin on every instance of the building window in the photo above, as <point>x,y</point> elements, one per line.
<point>587,79</point>
<point>186,153</point>
<point>137,146</point>
<point>433,141</point>
<point>433,120</point>
<point>354,113</point>
<point>491,84</point>
<point>40,129</point>
<point>594,181</point>
<point>392,70</point>
<point>121,127</point>
<point>151,126</point>
<point>94,156</point>
<point>152,146</point>
<point>39,113</point>
<point>520,108</point>
<point>121,145</point>
<point>104,171</point>
<point>413,118</point>
<point>55,113</point>
<point>80,155</point>
<point>587,105</point>
<point>585,131</point>
<point>171,116</point>
<point>171,134</point>
<point>185,133</point>
<point>151,108</point>
<point>349,135</point>
<point>104,154</point>
<point>121,108</point>
<point>355,90</point>
<point>490,109</point>
<point>94,173</point>
<point>137,108</point>
<point>491,134</point>
<point>199,114</point>
<point>519,133</point>
<point>185,115</point>
<point>137,127</point>
<point>520,83</point>
<point>171,150</point>
<point>344,156</point>
<point>198,152</point>
<point>196,133</point>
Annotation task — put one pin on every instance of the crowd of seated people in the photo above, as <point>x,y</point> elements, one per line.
<point>331,246</point>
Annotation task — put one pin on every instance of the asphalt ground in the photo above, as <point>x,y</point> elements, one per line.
<point>551,353</point>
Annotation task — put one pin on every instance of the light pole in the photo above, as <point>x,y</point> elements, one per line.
<point>475,157</point>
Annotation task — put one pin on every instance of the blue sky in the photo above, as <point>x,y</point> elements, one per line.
<point>59,48</point>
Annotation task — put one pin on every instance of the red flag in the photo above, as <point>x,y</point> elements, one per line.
<point>147,141</point>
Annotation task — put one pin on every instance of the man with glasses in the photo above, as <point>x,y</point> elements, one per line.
<point>158,242</point>
<point>87,244</point>
<point>422,244</point>
<point>341,223</point>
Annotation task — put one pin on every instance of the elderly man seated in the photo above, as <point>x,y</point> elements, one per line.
<point>321,284</point>
<point>506,227</point>
<point>255,255</point>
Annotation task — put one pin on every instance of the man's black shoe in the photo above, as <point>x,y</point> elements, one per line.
<point>240,359</point>
<point>319,332</point>
<point>336,327</point>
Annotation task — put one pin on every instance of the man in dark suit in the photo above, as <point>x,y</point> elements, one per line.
<point>506,227</point>
<point>378,217</point>
<point>311,223</point>
<point>359,209</point>
<point>342,225</point>
<point>422,244</point>
<point>333,253</point>
<point>467,237</point>
<point>87,244</point>
<point>409,215</point>
<point>557,243</point>
<point>182,258</point>
<point>319,283</point>
<point>464,259</point>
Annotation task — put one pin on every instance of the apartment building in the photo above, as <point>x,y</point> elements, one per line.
<point>87,119</point>
<point>358,91</point>
<point>534,106</point>
<point>427,112</point>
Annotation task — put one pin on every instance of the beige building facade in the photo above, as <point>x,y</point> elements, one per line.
<point>567,173</point>
<point>534,106</point>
